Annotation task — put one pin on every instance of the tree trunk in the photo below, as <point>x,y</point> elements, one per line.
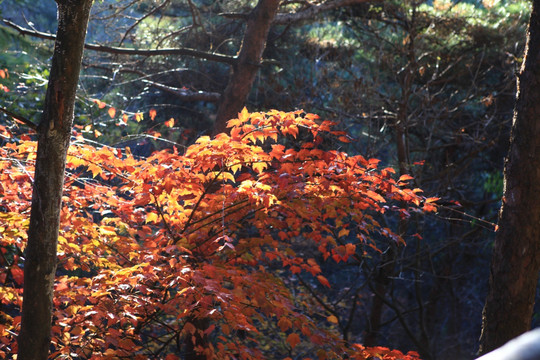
<point>247,64</point>
<point>54,133</point>
<point>516,258</point>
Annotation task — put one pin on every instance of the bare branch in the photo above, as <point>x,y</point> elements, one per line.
<point>185,94</point>
<point>227,59</point>
<point>20,118</point>
<point>182,93</point>
<point>154,10</point>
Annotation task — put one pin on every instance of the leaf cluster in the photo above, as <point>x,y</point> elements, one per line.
<point>157,252</point>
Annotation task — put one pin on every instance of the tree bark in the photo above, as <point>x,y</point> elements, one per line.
<point>247,64</point>
<point>516,258</point>
<point>54,133</point>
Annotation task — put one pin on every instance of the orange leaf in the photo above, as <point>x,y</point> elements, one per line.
<point>372,194</point>
<point>332,319</point>
<point>96,170</point>
<point>235,133</point>
<point>405,177</point>
<point>112,112</point>
<point>99,103</point>
<point>243,116</point>
<point>153,114</point>
<point>168,123</point>
<point>293,340</point>
<point>343,232</point>
<point>351,248</point>
<point>2,74</point>
<point>323,280</point>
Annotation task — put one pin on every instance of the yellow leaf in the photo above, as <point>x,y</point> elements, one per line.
<point>259,167</point>
<point>243,116</point>
<point>152,217</point>
<point>96,170</point>
<point>343,232</point>
<point>169,123</point>
<point>107,230</point>
<point>332,319</point>
<point>236,167</point>
<point>73,309</point>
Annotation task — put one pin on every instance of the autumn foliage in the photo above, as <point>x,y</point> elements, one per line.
<point>200,245</point>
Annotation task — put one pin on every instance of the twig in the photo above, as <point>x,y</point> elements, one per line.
<point>22,119</point>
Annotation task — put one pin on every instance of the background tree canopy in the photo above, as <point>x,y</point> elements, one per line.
<point>426,87</point>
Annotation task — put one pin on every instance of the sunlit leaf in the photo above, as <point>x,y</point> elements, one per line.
<point>152,114</point>
<point>332,319</point>
<point>169,123</point>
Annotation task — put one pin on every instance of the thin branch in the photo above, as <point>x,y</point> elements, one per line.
<point>319,299</point>
<point>227,59</point>
<point>154,10</point>
<point>20,118</point>
<point>185,94</point>
<point>165,222</point>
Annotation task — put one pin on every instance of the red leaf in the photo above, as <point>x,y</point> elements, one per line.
<point>293,340</point>
<point>18,274</point>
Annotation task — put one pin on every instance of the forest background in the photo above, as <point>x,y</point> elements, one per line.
<point>426,87</point>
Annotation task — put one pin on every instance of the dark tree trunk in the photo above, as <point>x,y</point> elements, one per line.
<point>516,257</point>
<point>247,64</point>
<point>54,133</point>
